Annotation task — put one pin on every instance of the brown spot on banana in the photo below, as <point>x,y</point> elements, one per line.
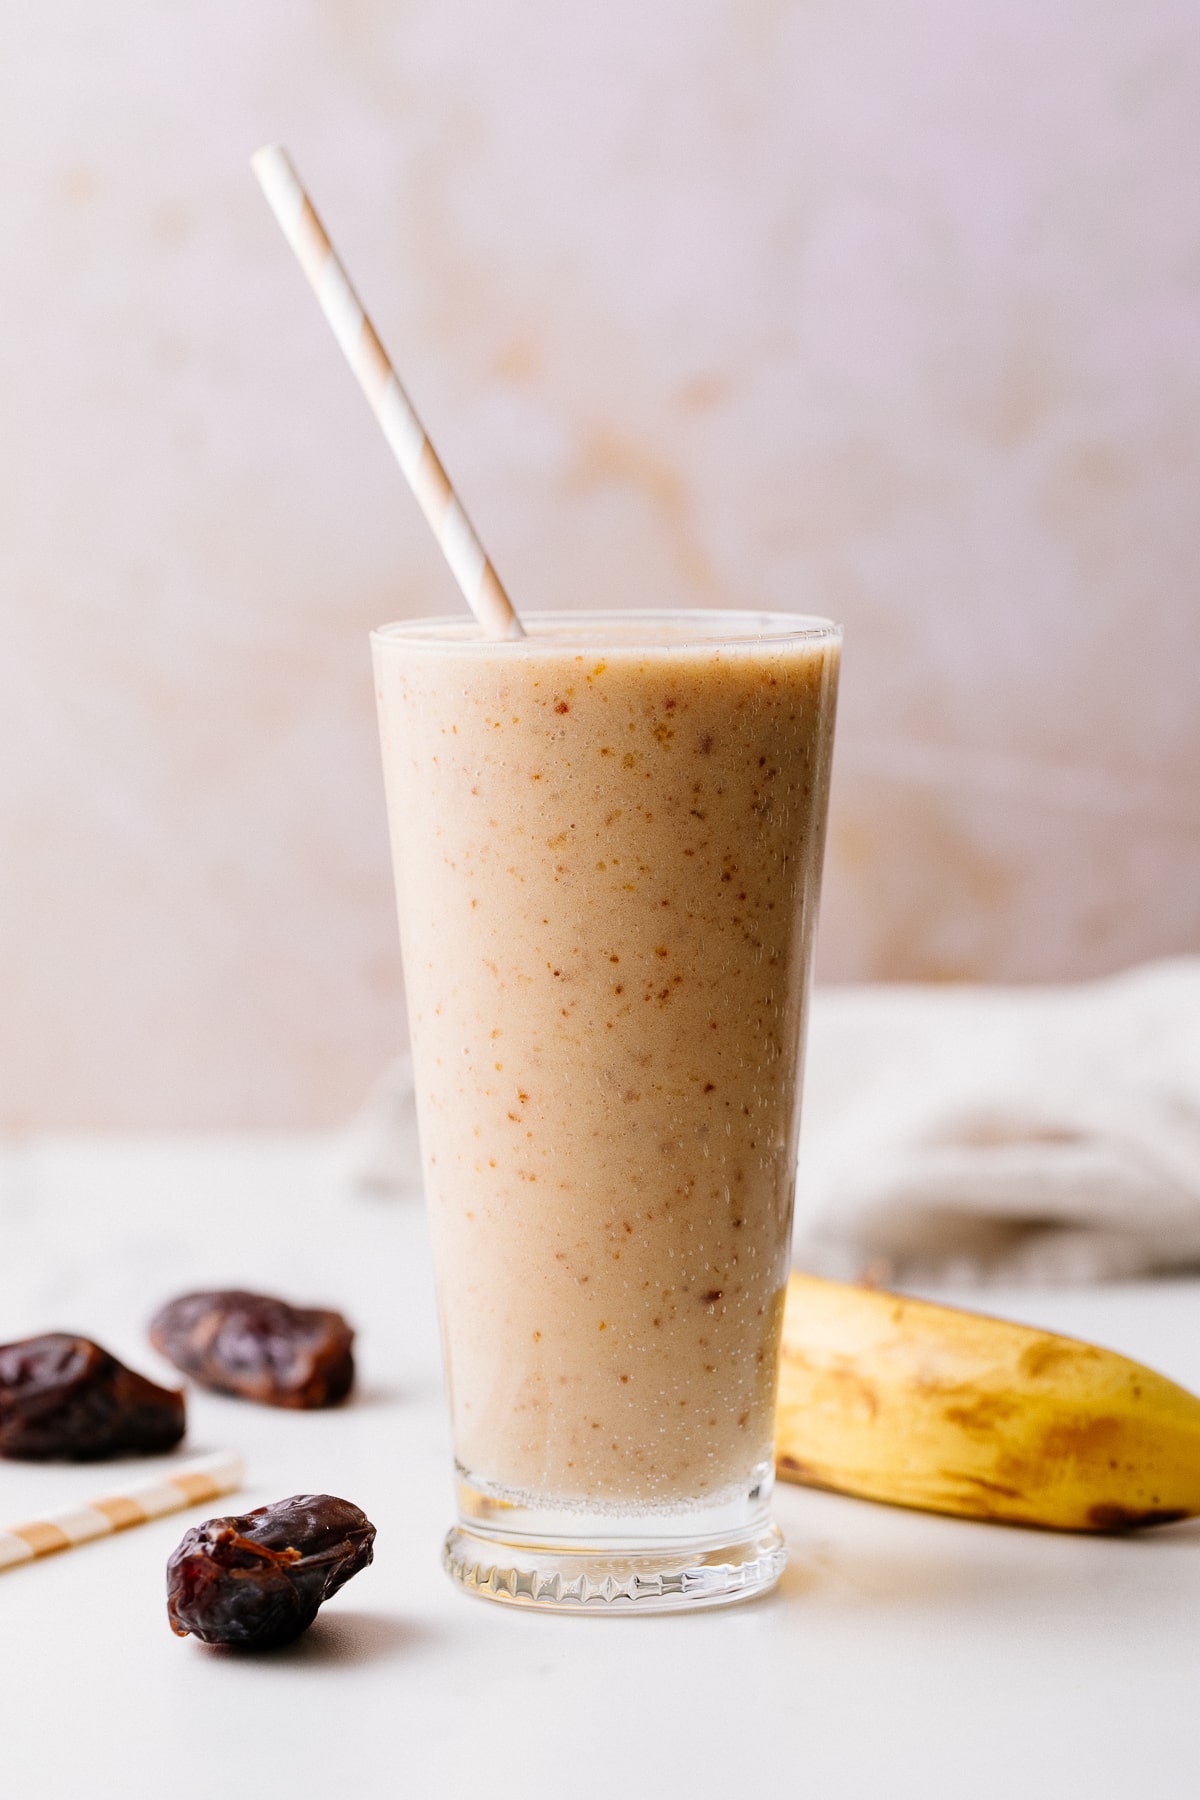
<point>982,1415</point>
<point>1106,1517</point>
<point>1045,1356</point>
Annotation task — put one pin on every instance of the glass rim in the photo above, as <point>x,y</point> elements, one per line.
<point>711,628</point>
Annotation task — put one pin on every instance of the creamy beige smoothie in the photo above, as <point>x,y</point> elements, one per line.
<point>607,844</point>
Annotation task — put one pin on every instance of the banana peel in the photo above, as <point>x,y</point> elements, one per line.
<point>928,1406</point>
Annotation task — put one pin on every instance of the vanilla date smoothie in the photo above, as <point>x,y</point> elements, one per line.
<point>607,841</point>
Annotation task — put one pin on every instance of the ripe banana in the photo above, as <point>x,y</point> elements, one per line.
<point>927,1406</point>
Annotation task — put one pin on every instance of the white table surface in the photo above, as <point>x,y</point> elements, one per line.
<point>902,1655</point>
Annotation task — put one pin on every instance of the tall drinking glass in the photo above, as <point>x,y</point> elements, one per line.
<point>607,841</point>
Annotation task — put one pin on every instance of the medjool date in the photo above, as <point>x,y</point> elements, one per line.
<point>256,1580</point>
<point>258,1347</point>
<point>64,1396</point>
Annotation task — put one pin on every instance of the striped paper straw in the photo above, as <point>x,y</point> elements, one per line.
<point>403,430</point>
<point>188,1485</point>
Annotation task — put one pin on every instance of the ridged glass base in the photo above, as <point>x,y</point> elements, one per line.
<point>618,1577</point>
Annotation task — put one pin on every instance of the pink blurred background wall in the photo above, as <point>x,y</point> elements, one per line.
<point>885,310</point>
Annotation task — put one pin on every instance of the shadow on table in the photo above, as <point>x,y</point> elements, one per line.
<point>929,1563</point>
<point>352,1638</point>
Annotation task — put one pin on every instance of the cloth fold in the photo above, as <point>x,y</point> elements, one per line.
<point>971,1134</point>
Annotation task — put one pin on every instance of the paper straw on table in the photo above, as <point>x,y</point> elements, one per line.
<point>188,1485</point>
<point>403,430</point>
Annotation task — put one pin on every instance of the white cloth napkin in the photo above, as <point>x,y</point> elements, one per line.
<point>1004,1134</point>
<point>970,1133</point>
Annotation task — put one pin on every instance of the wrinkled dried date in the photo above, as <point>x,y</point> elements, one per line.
<point>63,1396</point>
<point>258,1347</point>
<point>257,1580</point>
